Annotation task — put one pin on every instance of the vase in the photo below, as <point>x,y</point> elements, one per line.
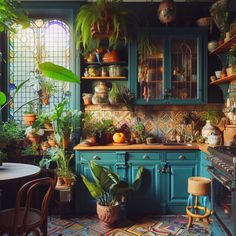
<point>207,130</point>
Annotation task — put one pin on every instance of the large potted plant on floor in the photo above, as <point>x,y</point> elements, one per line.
<point>109,191</point>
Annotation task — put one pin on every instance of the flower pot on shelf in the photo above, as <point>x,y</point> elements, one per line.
<point>29,119</point>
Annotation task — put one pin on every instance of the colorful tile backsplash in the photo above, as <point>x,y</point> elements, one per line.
<point>158,122</point>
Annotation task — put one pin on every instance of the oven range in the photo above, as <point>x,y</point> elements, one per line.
<point>223,190</point>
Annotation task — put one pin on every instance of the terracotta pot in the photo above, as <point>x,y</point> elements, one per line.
<point>111,56</point>
<point>68,181</point>
<point>108,214</point>
<point>29,119</point>
<point>60,181</point>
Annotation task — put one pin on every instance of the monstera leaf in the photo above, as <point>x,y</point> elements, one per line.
<point>57,72</point>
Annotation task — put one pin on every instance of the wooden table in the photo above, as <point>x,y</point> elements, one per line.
<point>17,171</point>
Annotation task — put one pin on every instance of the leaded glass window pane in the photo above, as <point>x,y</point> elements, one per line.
<point>46,40</point>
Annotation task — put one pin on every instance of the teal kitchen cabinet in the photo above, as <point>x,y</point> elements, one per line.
<point>177,168</point>
<point>176,70</point>
<point>164,184</point>
<point>147,199</point>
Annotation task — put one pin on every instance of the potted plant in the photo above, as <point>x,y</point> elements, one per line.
<point>103,130</point>
<point>114,94</point>
<point>103,19</point>
<point>29,115</point>
<point>139,133</point>
<point>34,134</point>
<point>64,120</point>
<point>109,191</point>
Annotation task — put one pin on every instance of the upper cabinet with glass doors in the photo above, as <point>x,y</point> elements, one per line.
<point>176,70</point>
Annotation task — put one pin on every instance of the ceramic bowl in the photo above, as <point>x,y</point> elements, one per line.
<point>218,74</point>
<point>212,45</point>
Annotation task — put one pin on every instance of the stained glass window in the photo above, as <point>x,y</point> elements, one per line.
<point>45,40</point>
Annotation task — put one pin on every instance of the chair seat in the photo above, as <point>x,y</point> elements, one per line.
<point>7,217</point>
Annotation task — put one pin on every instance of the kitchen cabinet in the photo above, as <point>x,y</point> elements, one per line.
<point>178,167</point>
<point>176,70</point>
<point>164,183</point>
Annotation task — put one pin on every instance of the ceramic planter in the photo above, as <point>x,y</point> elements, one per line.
<point>108,214</point>
<point>207,130</point>
<point>29,119</point>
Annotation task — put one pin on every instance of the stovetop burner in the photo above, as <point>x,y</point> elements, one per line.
<point>229,150</point>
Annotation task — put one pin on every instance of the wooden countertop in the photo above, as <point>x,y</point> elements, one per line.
<point>194,146</point>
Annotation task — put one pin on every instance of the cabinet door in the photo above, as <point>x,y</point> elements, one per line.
<point>177,184</point>
<point>185,77</point>
<point>175,70</point>
<point>150,84</point>
<point>147,198</point>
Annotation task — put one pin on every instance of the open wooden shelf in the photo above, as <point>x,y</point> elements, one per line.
<point>104,77</point>
<point>225,46</point>
<point>225,79</point>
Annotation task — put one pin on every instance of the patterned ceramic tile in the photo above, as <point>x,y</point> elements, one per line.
<point>118,232</point>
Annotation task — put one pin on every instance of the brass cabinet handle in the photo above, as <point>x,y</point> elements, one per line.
<point>96,158</point>
<point>146,157</point>
<point>181,157</point>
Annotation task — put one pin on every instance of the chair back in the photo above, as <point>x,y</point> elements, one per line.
<point>43,186</point>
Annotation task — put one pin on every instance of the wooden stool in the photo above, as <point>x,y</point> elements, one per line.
<point>198,187</point>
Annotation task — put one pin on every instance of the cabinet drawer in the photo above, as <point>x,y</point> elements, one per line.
<point>181,156</point>
<point>144,156</point>
<point>98,156</point>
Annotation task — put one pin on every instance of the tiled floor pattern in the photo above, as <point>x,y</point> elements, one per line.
<point>151,226</point>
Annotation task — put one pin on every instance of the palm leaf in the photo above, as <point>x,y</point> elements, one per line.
<point>137,182</point>
<point>100,175</point>
<point>95,191</point>
<point>56,72</point>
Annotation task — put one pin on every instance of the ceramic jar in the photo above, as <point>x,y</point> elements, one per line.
<point>213,139</point>
<point>207,130</point>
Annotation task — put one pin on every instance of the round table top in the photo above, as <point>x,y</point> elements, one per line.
<point>12,171</point>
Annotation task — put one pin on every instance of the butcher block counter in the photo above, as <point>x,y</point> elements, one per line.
<point>154,146</point>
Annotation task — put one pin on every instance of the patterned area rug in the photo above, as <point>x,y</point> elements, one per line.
<point>151,226</point>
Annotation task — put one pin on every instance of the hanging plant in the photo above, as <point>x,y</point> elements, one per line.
<point>101,20</point>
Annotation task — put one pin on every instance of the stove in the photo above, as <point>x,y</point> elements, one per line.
<point>223,158</point>
<point>223,189</point>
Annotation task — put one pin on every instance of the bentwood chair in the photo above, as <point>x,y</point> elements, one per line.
<point>24,218</point>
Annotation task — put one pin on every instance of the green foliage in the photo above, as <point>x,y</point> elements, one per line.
<point>31,150</point>
<point>30,108</point>
<point>102,126</point>
<point>11,135</point>
<point>64,120</point>
<point>107,17</point>
<point>56,72</point>
<point>62,159</point>
<point>11,12</point>
<point>212,115</point>
<point>107,187</point>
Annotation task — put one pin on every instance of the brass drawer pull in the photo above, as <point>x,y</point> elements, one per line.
<point>181,157</point>
<point>96,158</point>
